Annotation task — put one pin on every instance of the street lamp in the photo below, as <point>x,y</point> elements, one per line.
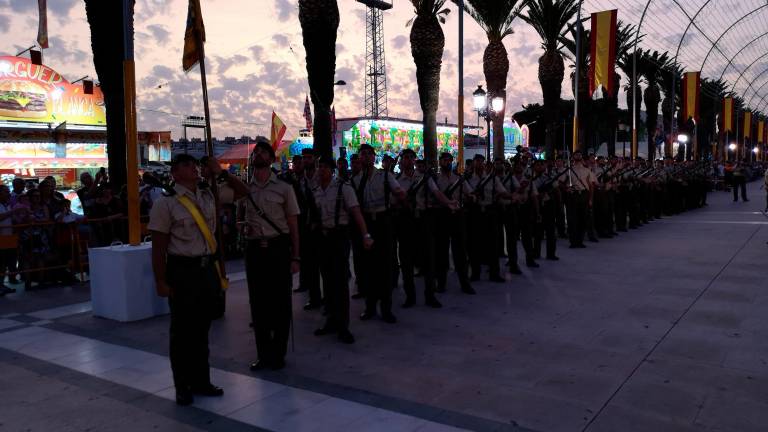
<point>480,101</point>
<point>732,146</point>
<point>497,104</point>
<point>683,138</point>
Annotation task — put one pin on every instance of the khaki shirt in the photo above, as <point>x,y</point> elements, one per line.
<point>445,182</point>
<point>526,191</point>
<point>277,200</point>
<point>582,177</point>
<point>511,183</point>
<point>169,216</point>
<point>374,194</point>
<point>488,194</point>
<point>326,203</point>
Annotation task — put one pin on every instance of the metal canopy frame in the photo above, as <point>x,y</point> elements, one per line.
<point>737,32</point>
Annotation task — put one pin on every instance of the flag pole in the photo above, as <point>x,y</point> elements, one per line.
<point>209,147</point>
<point>129,93</point>
<point>575,142</point>
<point>460,150</point>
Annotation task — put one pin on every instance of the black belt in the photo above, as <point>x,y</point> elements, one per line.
<point>197,261</point>
<point>266,242</point>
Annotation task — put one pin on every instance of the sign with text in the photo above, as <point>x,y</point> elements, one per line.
<point>37,93</point>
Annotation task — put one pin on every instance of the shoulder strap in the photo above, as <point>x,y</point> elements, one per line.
<point>339,199</point>
<point>206,232</point>
<point>260,213</point>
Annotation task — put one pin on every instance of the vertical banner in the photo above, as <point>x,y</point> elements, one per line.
<point>691,88</point>
<point>42,25</point>
<point>277,131</point>
<point>602,51</point>
<point>192,51</point>
<point>747,129</point>
<point>728,115</point>
<point>761,131</point>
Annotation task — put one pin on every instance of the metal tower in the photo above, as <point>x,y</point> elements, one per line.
<point>375,63</point>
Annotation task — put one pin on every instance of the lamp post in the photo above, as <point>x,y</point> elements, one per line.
<point>732,147</point>
<point>480,102</point>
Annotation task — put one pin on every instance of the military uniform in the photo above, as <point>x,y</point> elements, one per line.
<point>546,186</point>
<point>333,203</point>
<point>373,192</point>
<point>451,232</point>
<point>511,223</point>
<point>309,275</point>
<point>526,194</point>
<point>268,265</point>
<point>484,225</point>
<point>578,204</point>
<point>192,277</point>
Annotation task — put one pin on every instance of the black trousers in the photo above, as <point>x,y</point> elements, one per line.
<point>560,215</point>
<point>483,247</point>
<point>268,269</point>
<point>620,208</point>
<point>404,250</point>
<point>577,207</point>
<point>309,274</point>
<point>546,228</point>
<point>739,183</point>
<point>194,289</point>
<point>376,272</point>
<point>334,268</point>
<point>511,232</point>
<point>425,247</point>
<point>451,232</point>
<point>525,226</point>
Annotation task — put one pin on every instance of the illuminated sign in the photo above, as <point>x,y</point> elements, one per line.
<point>37,93</point>
<point>390,136</point>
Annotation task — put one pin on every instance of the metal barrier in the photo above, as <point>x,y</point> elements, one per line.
<point>51,252</point>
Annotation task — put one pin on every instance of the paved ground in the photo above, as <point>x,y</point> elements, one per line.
<point>661,329</point>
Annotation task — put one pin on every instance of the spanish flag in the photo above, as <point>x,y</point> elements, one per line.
<point>691,86</point>
<point>277,131</point>
<point>747,132</point>
<point>602,51</point>
<point>761,131</point>
<point>194,27</point>
<point>728,115</point>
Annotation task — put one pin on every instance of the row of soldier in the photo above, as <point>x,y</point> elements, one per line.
<point>393,223</point>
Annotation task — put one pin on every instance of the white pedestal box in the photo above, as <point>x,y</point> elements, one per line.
<point>122,283</point>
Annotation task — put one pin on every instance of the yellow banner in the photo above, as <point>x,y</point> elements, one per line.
<point>747,130</point>
<point>603,51</point>
<point>691,96</point>
<point>761,131</point>
<point>728,114</point>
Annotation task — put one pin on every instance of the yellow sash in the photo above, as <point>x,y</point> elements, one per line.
<point>200,221</point>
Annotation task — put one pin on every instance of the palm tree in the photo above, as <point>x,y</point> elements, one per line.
<point>631,89</point>
<point>105,19</point>
<point>712,93</point>
<point>319,22</point>
<point>670,77</point>
<point>625,42</point>
<point>427,44</point>
<point>495,17</point>
<point>649,65</point>
<point>550,19</point>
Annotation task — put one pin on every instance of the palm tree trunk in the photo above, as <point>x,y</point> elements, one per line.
<point>496,68</point>
<point>427,44</point>
<point>551,72</point>
<point>319,24</point>
<point>651,96</point>
<point>105,19</point>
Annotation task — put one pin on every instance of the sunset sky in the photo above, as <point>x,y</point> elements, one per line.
<point>256,60</point>
<point>256,56</point>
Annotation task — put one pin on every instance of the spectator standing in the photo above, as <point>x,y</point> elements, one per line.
<point>8,255</point>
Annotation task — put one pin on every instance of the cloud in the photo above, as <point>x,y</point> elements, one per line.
<point>22,5</point>
<point>160,33</point>
<point>400,41</point>
<point>256,51</point>
<point>60,8</point>
<point>5,23</point>
<point>284,9</point>
<point>281,40</point>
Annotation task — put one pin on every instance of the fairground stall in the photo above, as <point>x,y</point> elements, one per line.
<point>48,126</point>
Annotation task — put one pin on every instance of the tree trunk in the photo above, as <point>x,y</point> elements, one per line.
<point>319,24</point>
<point>105,19</point>
<point>427,44</point>
<point>496,68</point>
<point>651,96</point>
<point>551,72</point>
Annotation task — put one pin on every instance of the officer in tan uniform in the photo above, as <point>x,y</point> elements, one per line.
<point>580,192</point>
<point>374,188</point>
<point>338,207</point>
<point>272,255</point>
<point>183,264</point>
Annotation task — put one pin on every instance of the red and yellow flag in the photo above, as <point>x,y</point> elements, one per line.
<point>761,131</point>
<point>728,115</point>
<point>277,131</point>
<point>747,131</point>
<point>602,51</point>
<point>194,27</point>
<point>691,87</point>
<point>42,24</point>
